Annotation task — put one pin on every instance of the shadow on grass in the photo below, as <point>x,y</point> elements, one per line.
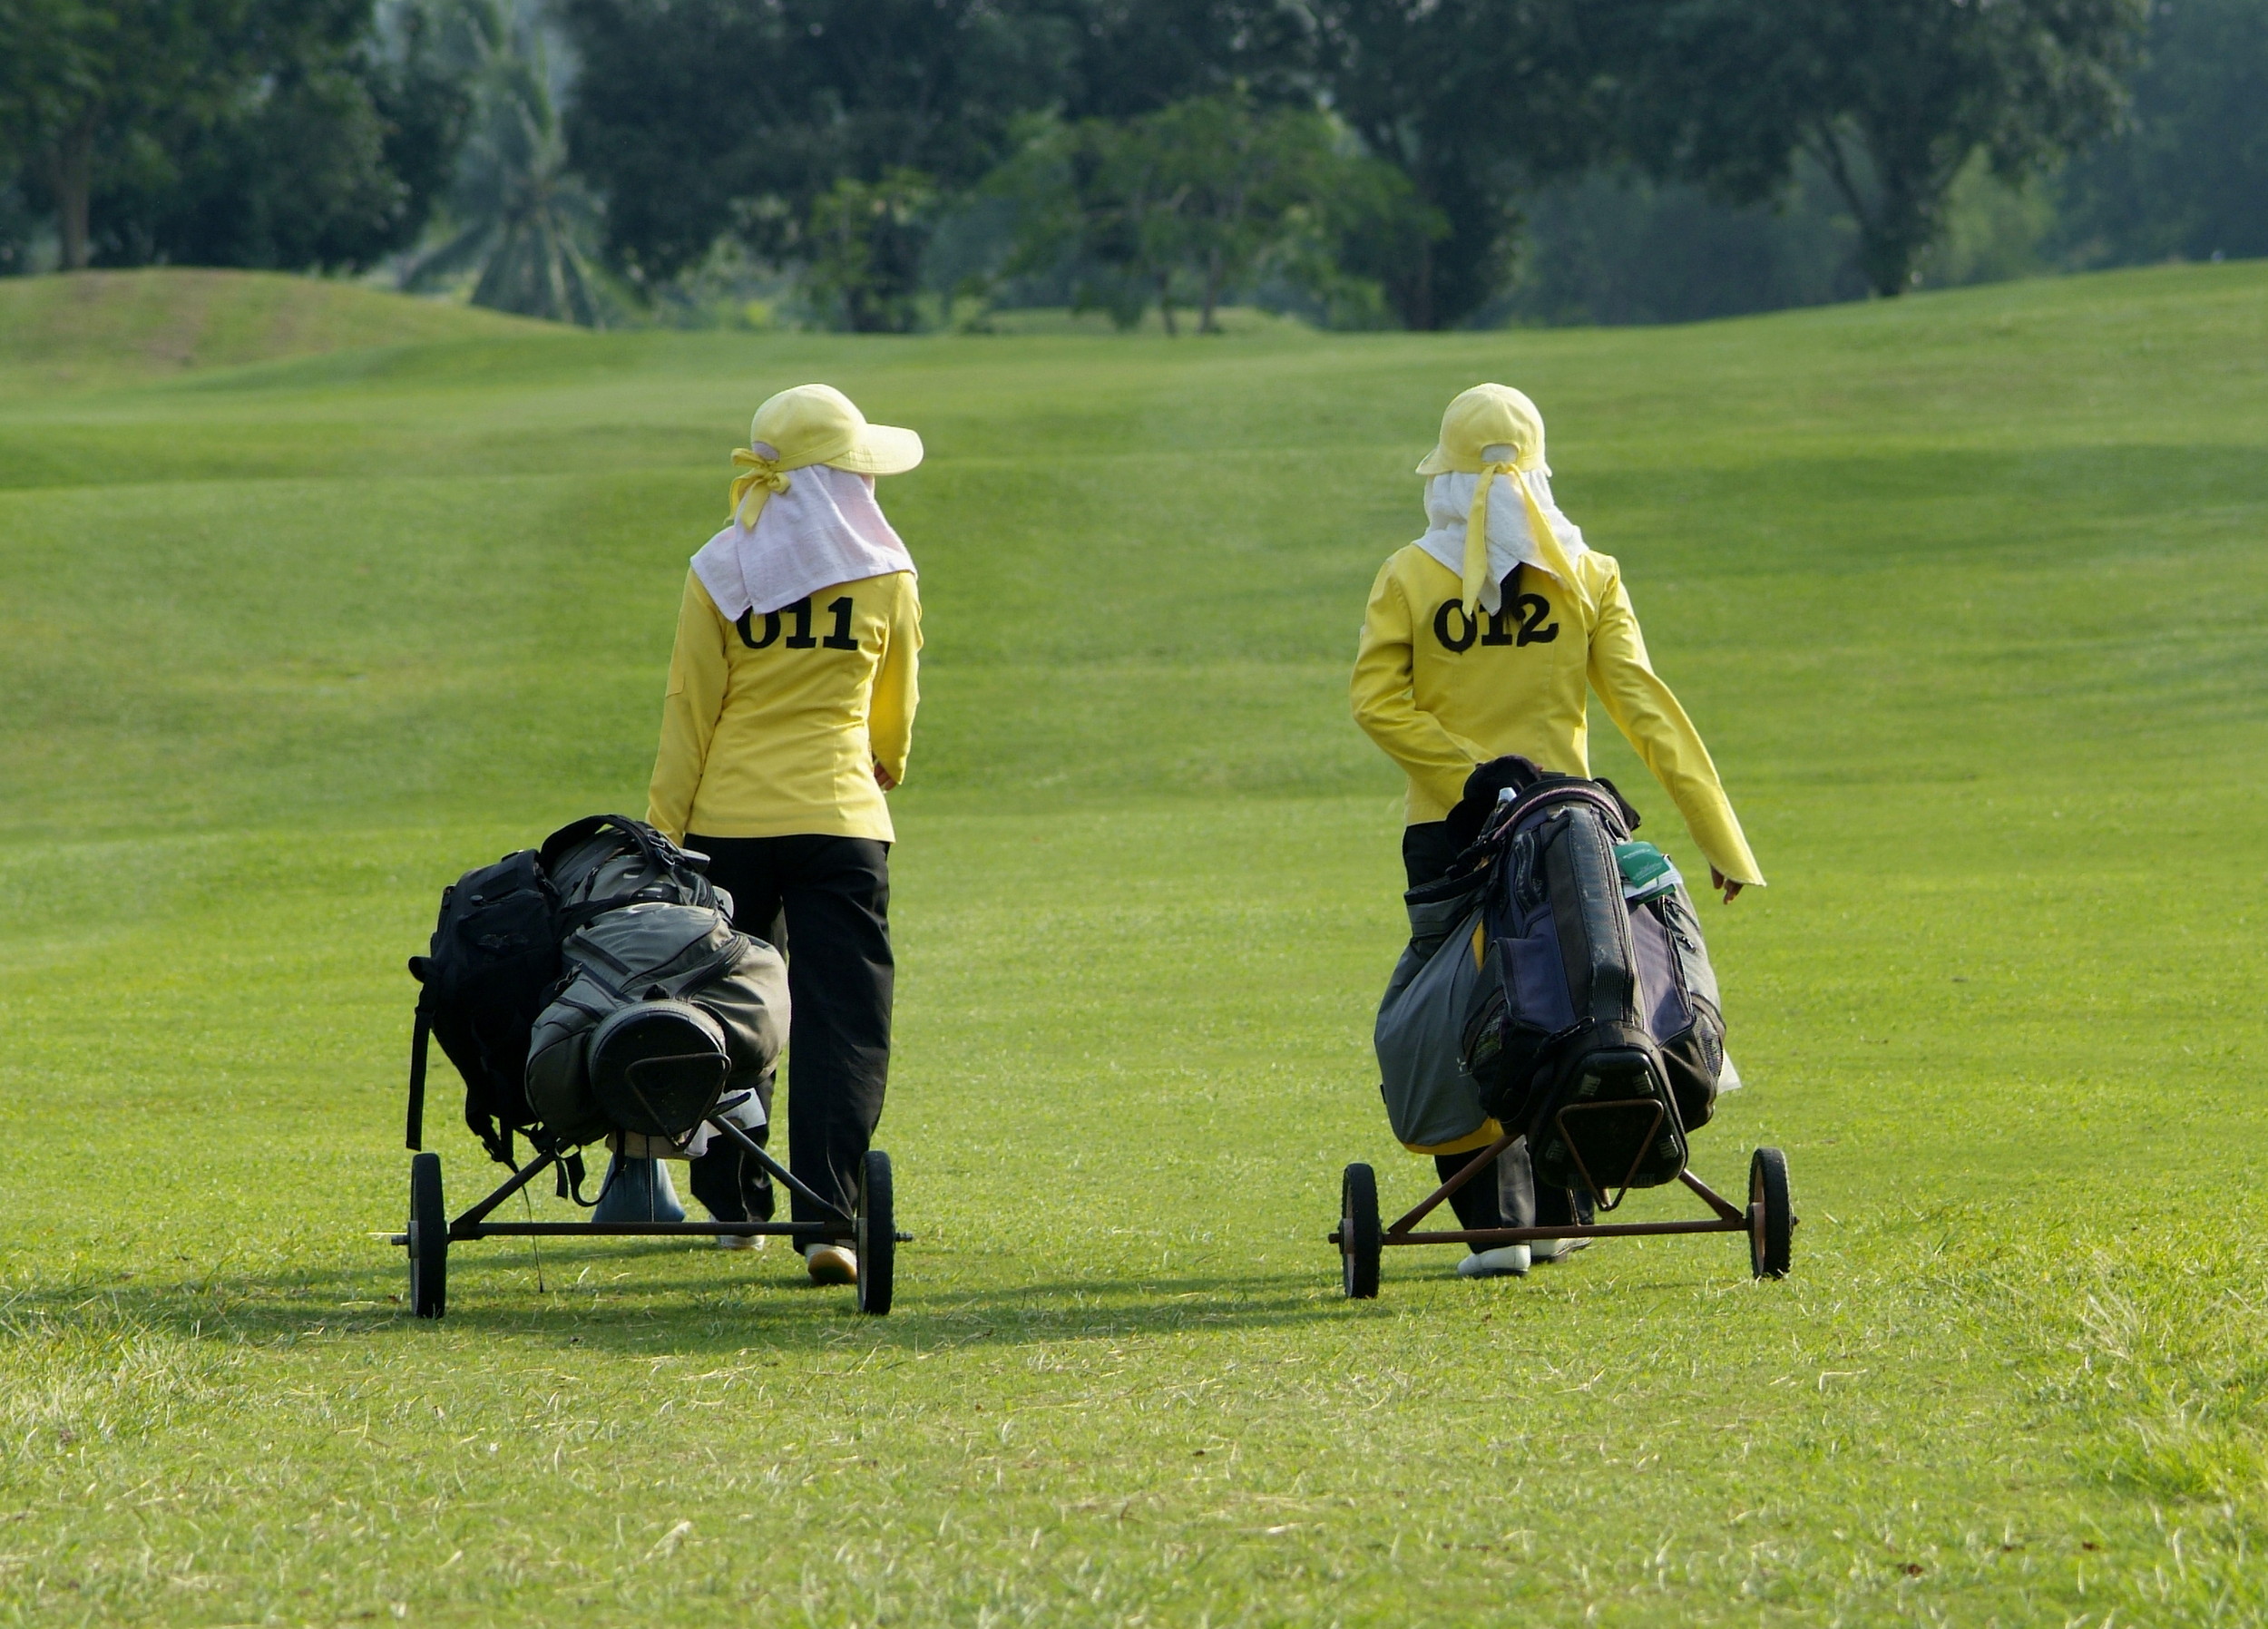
<point>640,1306</point>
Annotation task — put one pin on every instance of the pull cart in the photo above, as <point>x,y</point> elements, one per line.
<point>870,1229</point>
<point>1768,1220</point>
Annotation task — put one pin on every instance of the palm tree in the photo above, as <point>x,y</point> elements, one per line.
<point>521,218</point>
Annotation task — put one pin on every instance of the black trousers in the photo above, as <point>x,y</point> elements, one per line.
<point>824,901</point>
<point>1511,1198</point>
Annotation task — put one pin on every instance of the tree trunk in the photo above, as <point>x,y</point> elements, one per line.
<point>1165,303</point>
<point>1419,314</point>
<point>1206,324</point>
<point>71,173</point>
<point>1895,224</point>
<point>1409,289</point>
<point>1907,219</point>
<point>1886,261</point>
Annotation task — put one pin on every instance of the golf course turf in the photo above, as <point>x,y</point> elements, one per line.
<point>1968,593</point>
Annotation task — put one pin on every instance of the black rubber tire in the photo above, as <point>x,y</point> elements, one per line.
<point>1770,1215</point>
<point>1359,1233</point>
<point>428,1239</point>
<point>877,1244</point>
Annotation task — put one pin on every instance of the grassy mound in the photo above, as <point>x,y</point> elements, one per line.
<point>1965,592</point>
<point>104,327</point>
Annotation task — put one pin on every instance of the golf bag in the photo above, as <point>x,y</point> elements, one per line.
<point>494,958</point>
<point>1555,982</point>
<point>666,1012</point>
<point>1438,991</point>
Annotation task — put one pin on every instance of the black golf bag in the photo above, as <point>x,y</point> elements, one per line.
<point>494,963</point>
<point>1556,982</point>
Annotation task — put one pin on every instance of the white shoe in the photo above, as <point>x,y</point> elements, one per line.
<point>1555,1250</point>
<point>831,1263</point>
<point>1506,1261</point>
<point>741,1241</point>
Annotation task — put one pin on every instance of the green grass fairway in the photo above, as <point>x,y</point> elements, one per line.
<point>1968,592</point>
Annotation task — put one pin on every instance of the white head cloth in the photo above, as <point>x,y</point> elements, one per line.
<point>826,527</point>
<point>1449,505</point>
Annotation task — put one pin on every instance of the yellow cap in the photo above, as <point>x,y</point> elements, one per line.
<point>1484,417</point>
<point>814,423</point>
<point>1493,430</point>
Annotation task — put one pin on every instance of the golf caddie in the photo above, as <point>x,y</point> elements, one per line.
<point>1484,637</point>
<point>789,715</point>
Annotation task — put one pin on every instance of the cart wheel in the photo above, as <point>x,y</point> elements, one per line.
<point>428,1239</point>
<point>877,1235</point>
<point>1358,1234</point>
<point>1770,1216</point>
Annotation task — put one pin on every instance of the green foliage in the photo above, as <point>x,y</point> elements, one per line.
<point>1993,230</point>
<point>333,165</point>
<point>290,646</point>
<point>1474,101</point>
<point>19,228</point>
<point>1618,248</point>
<point>1186,204</point>
<point>1353,232</point>
<point>2186,173</point>
<point>1652,158</point>
<point>699,117</point>
<point>1889,98</point>
<point>87,90</point>
<point>244,132</point>
<point>519,219</point>
<point>300,181</point>
<point>865,244</point>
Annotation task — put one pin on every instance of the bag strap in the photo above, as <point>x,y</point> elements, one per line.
<point>1548,794</point>
<point>680,984</point>
<point>496,1139</point>
<point>710,970</point>
<point>419,1032</point>
<point>587,953</point>
<point>571,1172</point>
<point>590,911</point>
<point>575,832</point>
<point>1629,809</point>
<point>657,849</point>
<point>566,997</point>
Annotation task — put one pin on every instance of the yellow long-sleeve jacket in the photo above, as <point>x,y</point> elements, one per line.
<point>773,725</point>
<point>1441,692</point>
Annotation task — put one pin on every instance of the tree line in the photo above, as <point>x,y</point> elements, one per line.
<point>1374,157</point>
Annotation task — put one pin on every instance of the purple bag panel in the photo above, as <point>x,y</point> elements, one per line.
<point>1537,977</point>
<point>1661,995</point>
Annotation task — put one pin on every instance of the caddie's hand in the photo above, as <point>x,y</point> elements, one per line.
<point>1718,880</point>
<point>889,782</point>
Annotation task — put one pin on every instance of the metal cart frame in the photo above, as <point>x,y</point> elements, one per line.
<point>1768,1220</point>
<point>870,1228</point>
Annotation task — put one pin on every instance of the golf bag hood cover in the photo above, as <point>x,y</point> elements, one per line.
<point>658,1067</point>
<point>671,984</point>
<point>1541,987</point>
